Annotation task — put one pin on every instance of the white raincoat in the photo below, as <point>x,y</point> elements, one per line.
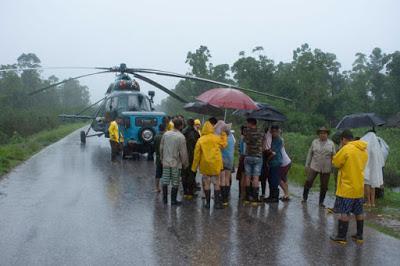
<point>373,174</point>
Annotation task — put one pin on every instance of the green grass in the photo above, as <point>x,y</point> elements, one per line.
<point>383,229</point>
<point>20,149</point>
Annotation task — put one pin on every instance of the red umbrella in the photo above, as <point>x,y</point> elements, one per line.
<point>228,99</point>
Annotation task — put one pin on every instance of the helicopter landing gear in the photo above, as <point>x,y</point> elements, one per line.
<point>83,137</point>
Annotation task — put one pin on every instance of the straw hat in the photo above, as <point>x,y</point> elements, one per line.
<point>323,129</point>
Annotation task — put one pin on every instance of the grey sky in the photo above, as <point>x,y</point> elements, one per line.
<point>158,34</point>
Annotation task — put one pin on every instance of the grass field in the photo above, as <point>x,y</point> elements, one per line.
<point>19,149</point>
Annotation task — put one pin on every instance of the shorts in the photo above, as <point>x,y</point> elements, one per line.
<point>228,165</point>
<point>171,175</point>
<point>347,206</point>
<point>252,165</point>
<point>158,170</point>
<point>283,171</point>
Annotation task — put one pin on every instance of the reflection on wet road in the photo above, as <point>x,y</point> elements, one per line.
<point>69,205</point>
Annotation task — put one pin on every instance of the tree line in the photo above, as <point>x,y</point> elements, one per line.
<point>22,114</point>
<point>322,92</point>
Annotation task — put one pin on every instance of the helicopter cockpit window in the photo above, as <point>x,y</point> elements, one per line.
<point>112,104</point>
<point>138,103</point>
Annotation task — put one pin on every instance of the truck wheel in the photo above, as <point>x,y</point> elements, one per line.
<point>83,137</point>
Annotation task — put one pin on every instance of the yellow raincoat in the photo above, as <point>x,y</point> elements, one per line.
<point>207,153</point>
<point>351,161</point>
<point>114,133</point>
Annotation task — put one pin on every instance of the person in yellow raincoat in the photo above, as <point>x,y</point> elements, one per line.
<point>351,161</point>
<point>116,138</point>
<point>208,158</point>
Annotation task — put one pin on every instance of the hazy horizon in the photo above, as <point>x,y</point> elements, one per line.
<point>158,34</point>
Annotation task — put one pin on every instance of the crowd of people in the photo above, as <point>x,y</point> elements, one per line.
<point>184,148</point>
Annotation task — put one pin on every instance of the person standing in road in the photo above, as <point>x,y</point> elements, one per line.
<point>227,158</point>
<point>157,142</point>
<point>319,162</point>
<point>351,160</point>
<point>374,170</point>
<point>274,165</point>
<point>188,176</point>
<point>283,172</point>
<point>116,138</point>
<point>208,158</point>
<point>173,154</point>
<point>253,160</point>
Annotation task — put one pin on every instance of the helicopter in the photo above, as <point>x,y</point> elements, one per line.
<point>124,99</point>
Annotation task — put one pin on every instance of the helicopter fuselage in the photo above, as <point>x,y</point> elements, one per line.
<point>140,121</point>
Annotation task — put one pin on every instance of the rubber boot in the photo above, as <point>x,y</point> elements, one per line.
<point>208,199</point>
<point>224,191</point>
<point>322,194</point>
<point>174,194</point>
<point>218,200</point>
<point>247,198</point>
<point>256,199</point>
<point>165,194</point>
<point>342,232</point>
<point>358,238</point>
<point>274,196</point>
<point>305,193</point>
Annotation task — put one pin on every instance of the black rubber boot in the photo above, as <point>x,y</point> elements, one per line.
<point>358,238</point>
<point>322,195</point>
<point>342,232</point>
<point>274,196</point>
<point>208,199</point>
<point>248,197</point>
<point>218,200</point>
<point>305,193</point>
<point>174,194</point>
<point>165,194</point>
<point>225,199</point>
<point>256,197</point>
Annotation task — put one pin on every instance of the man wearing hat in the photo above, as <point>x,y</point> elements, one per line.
<point>319,162</point>
<point>197,126</point>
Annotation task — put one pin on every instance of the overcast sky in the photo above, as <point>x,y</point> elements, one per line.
<point>158,34</point>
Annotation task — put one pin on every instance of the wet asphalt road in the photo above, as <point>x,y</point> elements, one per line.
<point>68,205</point>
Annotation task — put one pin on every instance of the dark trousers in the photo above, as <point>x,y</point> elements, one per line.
<point>264,176</point>
<point>188,181</point>
<point>273,178</point>
<point>324,180</point>
<point>115,149</point>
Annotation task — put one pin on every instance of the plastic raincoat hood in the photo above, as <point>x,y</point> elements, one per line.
<point>207,153</point>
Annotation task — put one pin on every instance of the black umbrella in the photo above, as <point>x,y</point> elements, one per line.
<point>265,112</point>
<point>360,120</point>
<point>202,108</point>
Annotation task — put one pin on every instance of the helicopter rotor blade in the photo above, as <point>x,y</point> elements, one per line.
<point>171,74</point>
<point>42,68</point>
<point>90,106</point>
<point>64,81</point>
<point>159,86</point>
